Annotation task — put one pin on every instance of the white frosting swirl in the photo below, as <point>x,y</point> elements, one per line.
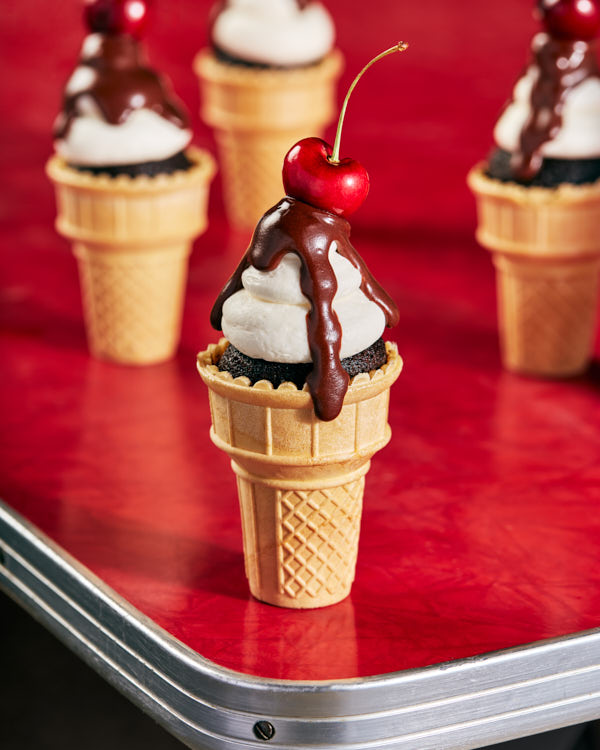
<point>267,318</point>
<point>579,134</point>
<point>144,136</point>
<point>274,32</point>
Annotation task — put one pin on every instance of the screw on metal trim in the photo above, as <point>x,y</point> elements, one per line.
<point>264,730</point>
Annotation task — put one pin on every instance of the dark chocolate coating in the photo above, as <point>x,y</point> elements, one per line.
<point>236,363</point>
<point>553,172</point>
<point>296,227</point>
<point>122,83</point>
<point>563,64</point>
<point>177,163</point>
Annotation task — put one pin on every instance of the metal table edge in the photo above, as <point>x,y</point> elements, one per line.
<point>461,704</point>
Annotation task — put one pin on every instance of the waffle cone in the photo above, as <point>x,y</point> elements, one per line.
<point>257,116</point>
<point>132,238</point>
<point>546,251</point>
<point>300,480</point>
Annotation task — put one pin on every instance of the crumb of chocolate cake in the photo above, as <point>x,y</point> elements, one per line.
<point>239,364</point>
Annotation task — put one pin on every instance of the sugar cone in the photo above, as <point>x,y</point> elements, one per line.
<point>300,480</point>
<point>132,238</point>
<point>257,116</point>
<point>546,250</point>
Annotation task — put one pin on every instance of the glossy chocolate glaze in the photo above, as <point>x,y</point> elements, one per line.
<point>562,65</point>
<point>295,227</point>
<point>123,82</point>
<point>225,57</point>
<point>220,5</point>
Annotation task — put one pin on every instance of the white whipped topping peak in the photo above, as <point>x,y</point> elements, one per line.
<point>274,32</point>
<point>267,318</point>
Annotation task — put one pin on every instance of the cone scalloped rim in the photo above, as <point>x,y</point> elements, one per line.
<point>479,182</point>
<point>202,170</point>
<point>209,371</point>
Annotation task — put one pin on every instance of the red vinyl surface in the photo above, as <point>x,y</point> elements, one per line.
<point>480,527</point>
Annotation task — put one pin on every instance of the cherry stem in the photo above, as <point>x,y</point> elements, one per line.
<point>335,154</point>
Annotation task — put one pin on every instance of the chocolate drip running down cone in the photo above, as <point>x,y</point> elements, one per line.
<point>294,226</point>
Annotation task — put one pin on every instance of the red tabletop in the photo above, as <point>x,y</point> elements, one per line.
<point>480,527</point>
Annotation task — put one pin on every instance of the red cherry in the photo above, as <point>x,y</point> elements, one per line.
<point>116,16</point>
<point>571,19</point>
<point>309,176</point>
<point>314,173</point>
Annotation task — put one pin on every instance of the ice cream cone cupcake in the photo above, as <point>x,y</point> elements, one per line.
<point>299,388</point>
<point>268,79</point>
<point>538,200</point>
<point>131,192</point>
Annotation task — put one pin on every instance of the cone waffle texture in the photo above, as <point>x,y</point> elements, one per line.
<point>257,116</point>
<point>132,238</point>
<point>300,480</point>
<point>546,249</point>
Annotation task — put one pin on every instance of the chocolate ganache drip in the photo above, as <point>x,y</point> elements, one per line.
<point>294,226</point>
<point>562,64</point>
<point>220,5</point>
<point>122,82</point>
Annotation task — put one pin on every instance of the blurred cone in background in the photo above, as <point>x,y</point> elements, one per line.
<point>257,115</point>
<point>545,244</point>
<point>132,238</point>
